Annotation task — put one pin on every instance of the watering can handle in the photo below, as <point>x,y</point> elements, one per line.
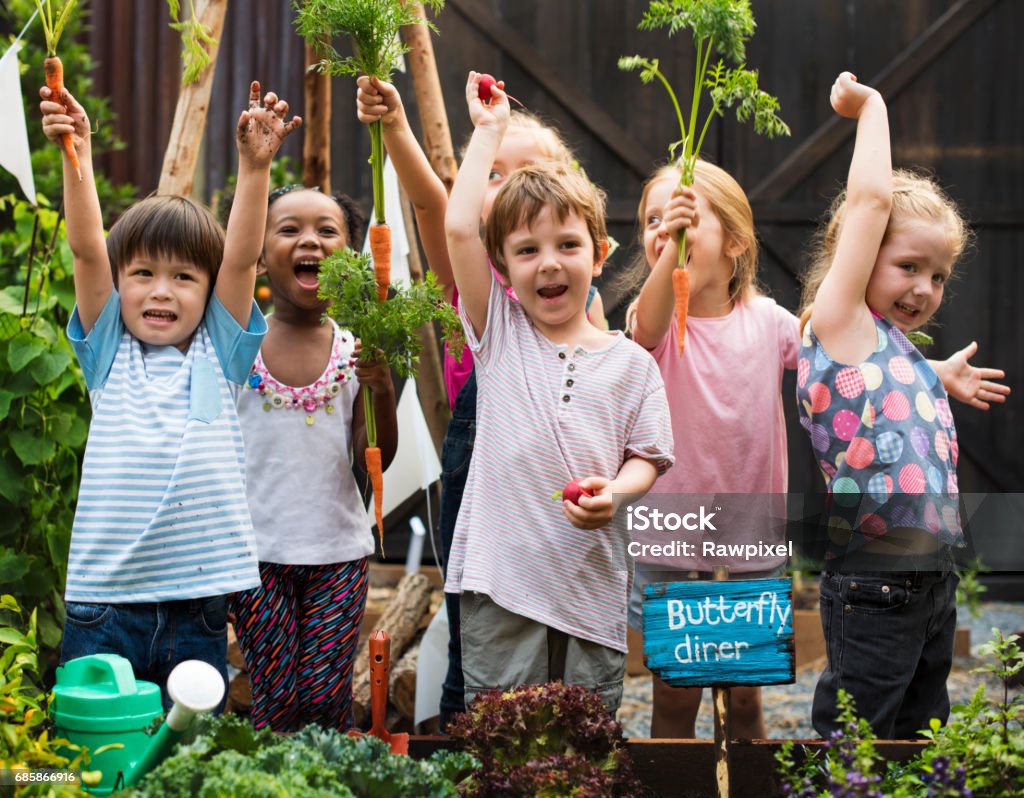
<point>104,668</point>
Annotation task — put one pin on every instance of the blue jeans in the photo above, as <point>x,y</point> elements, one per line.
<point>889,639</point>
<point>456,452</point>
<point>152,636</point>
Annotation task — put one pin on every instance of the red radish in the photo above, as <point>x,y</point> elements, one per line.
<point>484,89</point>
<point>574,490</point>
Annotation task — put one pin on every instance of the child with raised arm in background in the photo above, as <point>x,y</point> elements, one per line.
<point>303,420</point>
<point>165,329</point>
<point>527,141</point>
<point>544,588</point>
<point>882,431</point>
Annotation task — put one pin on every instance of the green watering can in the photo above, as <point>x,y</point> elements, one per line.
<point>97,702</point>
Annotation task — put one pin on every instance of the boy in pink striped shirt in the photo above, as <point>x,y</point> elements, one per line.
<point>545,586</point>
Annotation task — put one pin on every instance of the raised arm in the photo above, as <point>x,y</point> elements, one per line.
<point>258,136</point>
<point>840,317</point>
<point>377,100</point>
<point>83,219</point>
<point>462,221</point>
<point>656,303</point>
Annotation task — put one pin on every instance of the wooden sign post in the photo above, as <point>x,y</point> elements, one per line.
<point>720,634</point>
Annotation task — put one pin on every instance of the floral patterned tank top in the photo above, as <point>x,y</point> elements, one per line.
<point>883,435</point>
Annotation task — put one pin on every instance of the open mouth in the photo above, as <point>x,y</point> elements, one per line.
<point>160,315</point>
<point>907,309</point>
<point>552,291</point>
<point>307,273</point>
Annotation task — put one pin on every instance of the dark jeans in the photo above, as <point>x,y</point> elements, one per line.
<point>889,638</point>
<point>456,452</point>
<point>152,636</point>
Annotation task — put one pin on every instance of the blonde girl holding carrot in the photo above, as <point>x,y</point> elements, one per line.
<point>302,419</point>
<point>528,141</point>
<point>724,391</point>
<point>882,431</point>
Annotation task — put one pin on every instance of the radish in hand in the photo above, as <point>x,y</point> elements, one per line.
<point>572,492</point>
<point>484,89</point>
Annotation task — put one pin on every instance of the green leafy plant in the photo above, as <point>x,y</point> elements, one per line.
<point>544,740</point>
<point>44,408</point>
<point>970,589</point>
<point>226,756</point>
<point>373,26</point>
<point>195,40</point>
<point>26,741</point>
<point>725,26</point>
<point>980,752</point>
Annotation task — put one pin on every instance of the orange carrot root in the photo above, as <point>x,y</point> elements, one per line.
<point>804,318</point>
<point>681,291</point>
<point>54,70</point>
<point>376,474</point>
<point>380,250</point>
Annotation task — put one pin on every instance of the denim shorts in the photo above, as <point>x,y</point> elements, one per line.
<point>152,636</point>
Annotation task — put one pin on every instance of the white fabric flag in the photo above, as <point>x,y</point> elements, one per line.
<point>15,156</point>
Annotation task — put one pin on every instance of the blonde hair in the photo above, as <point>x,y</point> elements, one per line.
<point>549,140</point>
<point>530,190</point>
<point>730,204</point>
<point>915,196</point>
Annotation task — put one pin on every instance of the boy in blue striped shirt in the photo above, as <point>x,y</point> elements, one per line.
<point>166,330</point>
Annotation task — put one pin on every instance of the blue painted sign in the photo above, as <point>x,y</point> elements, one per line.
<point>720,634</point>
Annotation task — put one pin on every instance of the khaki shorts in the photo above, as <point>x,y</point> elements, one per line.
<point>503,650</point>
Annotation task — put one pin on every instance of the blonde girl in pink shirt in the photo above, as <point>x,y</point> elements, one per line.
<point>724,394</point>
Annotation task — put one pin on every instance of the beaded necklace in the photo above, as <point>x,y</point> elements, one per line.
<point>278,396</point>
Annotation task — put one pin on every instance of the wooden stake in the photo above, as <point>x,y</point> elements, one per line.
<point>178,172</point>
<point>722,724</point>
<point>316,143</point>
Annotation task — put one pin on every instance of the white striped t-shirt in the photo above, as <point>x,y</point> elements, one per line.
<point>162,512</point>
<point>546,415</point>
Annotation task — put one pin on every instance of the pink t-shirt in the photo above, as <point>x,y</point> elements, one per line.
<point>456,372</point>
<point>725,396</point>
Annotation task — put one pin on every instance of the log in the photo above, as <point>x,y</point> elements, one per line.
<point>401,621</point>
<point>316,143</point>
<point>239,699</point>
<point>402,690</point>
<point>179,168</point>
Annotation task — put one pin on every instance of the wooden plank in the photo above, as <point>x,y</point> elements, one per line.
<point>589,113</point>
<point>893,78</point>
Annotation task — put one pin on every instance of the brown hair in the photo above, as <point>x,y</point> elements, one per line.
<point>167,226</point>
<point>730,204</point>
<point>915,196</point>
<point>530,190</point>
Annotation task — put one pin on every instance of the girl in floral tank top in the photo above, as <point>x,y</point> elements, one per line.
<point>882,433</point>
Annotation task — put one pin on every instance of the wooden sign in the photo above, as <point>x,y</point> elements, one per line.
<point>720,634</point>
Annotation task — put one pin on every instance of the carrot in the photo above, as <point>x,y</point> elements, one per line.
<point>55,83</point>
<point>681,291</point>
<point>376,474</point>
<point>380,250</point>
<point>805,317</point>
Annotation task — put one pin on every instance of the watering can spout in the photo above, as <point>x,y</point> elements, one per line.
<point>194,686</point>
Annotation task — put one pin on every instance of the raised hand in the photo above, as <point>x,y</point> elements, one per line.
<point>377,101</point>
<point>972,385</point>
<point>848,96</point>
<point>495,114</point>
<point>63,115</point>
<point>262,128</point>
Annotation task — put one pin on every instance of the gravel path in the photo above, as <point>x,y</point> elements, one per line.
<point>787,708</point>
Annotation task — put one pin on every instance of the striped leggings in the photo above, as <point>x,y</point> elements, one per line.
<point>298,632</point>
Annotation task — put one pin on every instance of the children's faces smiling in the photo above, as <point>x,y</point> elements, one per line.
<point>910,273</point>
<point>705,240</point>
<point>303,228</point>
<point>551,263</point>
<point>519,147</point>
<point>163,299</point>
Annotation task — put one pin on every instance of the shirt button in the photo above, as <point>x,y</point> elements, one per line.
<point>572,367</point>
<point>568,383</point>
<point>565,398</point>
<point>885,588</point>
<point>853,585</point>
<point>561,355</point>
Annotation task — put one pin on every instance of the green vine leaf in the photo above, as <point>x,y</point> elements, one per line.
<point>24,348</point>
<point>30,447</point>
